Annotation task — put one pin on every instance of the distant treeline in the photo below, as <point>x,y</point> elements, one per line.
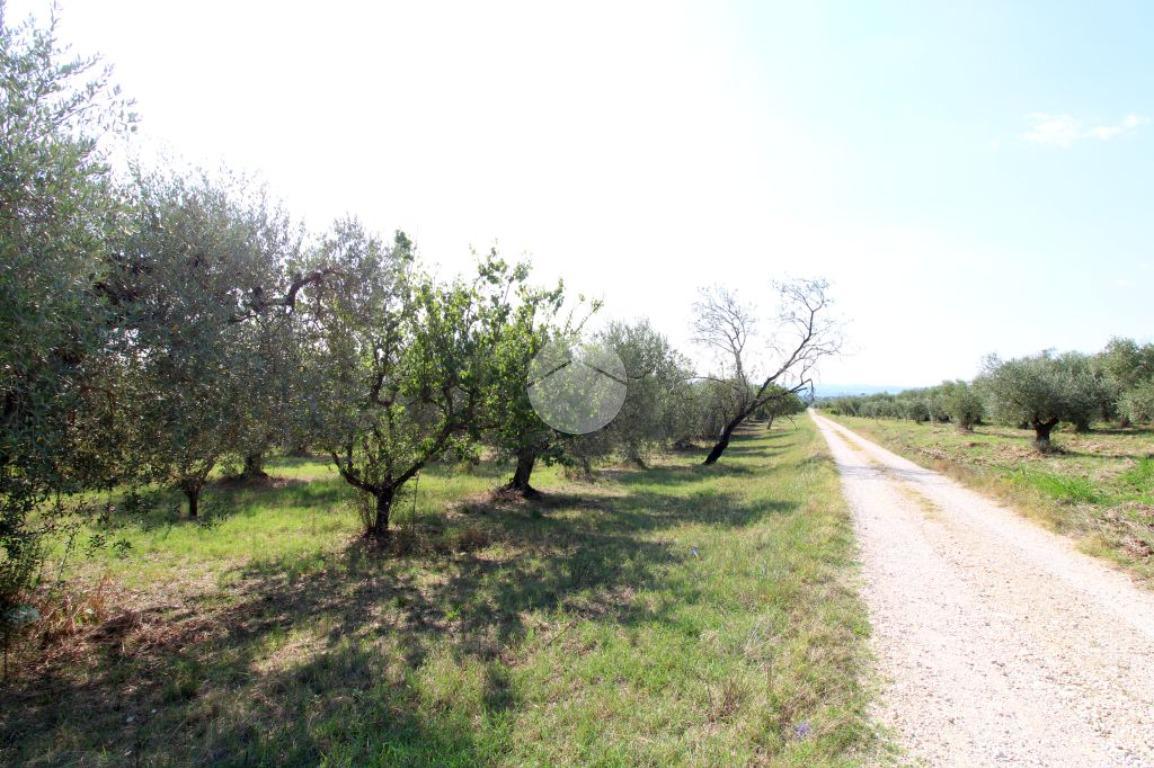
<point>1037,392</point>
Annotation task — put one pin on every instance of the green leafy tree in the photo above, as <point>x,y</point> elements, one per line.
<point>411,363</point>
<point>1137,404</point>
<point>656,375</point>
<point>1087,390</point>
<point>200,327</point>
<point>789,404</point>
<point>916,409</point>
<point>963,403</point>
<point>1128,369</point>
<point>512,426</point>
<point>662,404</point>
<point>269,393</point>
<point>711,404</point>
<point>688,413</point>
<point>58,206</point>
<point>1127,363</point>
<point>1040,392</point>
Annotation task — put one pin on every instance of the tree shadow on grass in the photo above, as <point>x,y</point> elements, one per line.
<point>669,476</point>
<point>738,449</point>
<point>184,685</point>
<point>1060,449</point>
<point>292,668</point>
<point>365,718</point>
<point>1065,451</point>
<point>1133,431</point>
<point>221,500</point>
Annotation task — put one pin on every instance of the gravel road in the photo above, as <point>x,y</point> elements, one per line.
<point>997,642</point>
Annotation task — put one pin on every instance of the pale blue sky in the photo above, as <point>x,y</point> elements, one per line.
<point>973,177</point>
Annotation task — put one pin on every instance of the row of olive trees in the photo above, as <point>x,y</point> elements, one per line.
<point>957,402</point>
<point>154,326</point>
<point>151,326</point>
<point>1037,392</point>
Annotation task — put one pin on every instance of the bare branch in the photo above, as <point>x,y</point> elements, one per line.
<point>258,304</point>
<point>802,337</point>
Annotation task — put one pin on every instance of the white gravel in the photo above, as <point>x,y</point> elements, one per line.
<point>997,642</point>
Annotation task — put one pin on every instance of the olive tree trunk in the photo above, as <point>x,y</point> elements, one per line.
<point>193,496</point>
<point>254,466</point>
<point>1042,431</point>
<point>526,460</point>
<point>378,528</point>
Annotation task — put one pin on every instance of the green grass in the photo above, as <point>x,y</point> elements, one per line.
<point>1059,487</point>
<point>1099,487</point>
<point>1139,478</point>
<point>676,616</point>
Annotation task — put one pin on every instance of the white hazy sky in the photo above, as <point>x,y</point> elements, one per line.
<point>972,178</point>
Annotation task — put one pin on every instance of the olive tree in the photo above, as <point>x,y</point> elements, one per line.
<point>1041,392</point>
<point>789,404</point>
<point>512,426</point>
<point>58,207</point>
<point>410,362</point>
<point>1129,371</point>
<point>200,325</point>
<point>689,413</point>
<point>656,375</point>
<point>1088,391</point>
<point>963,403</point>
<point>1137,404</point>
<point>800,336</point>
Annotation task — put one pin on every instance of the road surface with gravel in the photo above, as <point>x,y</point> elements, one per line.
<point>996,641</point>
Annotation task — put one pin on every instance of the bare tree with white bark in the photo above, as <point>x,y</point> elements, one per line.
<point>760,370</point>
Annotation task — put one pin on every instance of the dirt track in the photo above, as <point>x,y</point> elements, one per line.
<point>997,642</point>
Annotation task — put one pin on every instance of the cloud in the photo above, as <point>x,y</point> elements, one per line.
<point>1064,130</point>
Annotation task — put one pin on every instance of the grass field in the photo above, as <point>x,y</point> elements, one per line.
<point>1099,487</point>
<point>683,615</point>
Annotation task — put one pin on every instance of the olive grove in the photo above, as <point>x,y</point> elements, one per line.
<point>161,326</point>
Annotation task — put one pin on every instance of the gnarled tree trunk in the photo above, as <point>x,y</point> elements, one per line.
<point>1042,431</point>
<point>526,460</point>
<point>254,467</point>
<point>192,493</point>
<point>379,528</point>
